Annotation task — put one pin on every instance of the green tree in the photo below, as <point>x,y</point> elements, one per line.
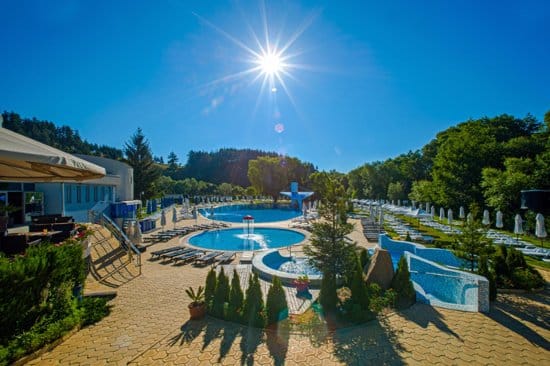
<point>254,309</point>
<point>328,251</point>
<point>473,242</point>
<point>395,191</point>
<point>210,288</point>
<point>139,157</point>
<point>221,296</point>
<point>402,285</point>
<point>276,305</point>
<point>236,298</point>
<point>358,286</point>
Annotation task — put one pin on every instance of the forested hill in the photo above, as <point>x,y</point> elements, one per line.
<point>222,166</point>
<point>63,138</point>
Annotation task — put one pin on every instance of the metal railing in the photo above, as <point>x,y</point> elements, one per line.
<point>134,254</point>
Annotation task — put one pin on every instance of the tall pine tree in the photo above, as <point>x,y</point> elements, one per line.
<point>139,156</point>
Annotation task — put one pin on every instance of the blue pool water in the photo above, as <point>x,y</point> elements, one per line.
<point>294,265</point>
<point>238,239</point>
<point>260,212</point>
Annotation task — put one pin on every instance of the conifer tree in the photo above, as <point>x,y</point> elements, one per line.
<point>236,298</point>
<point>210,289</point>
<point>221,296</point>
<point>139,157</point>
<point>253,311</point>
<point>276,305</point>
<point>402,285</point>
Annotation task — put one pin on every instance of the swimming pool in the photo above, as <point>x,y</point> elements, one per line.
<point>266,212</point>
<point>272,264</point>
<point>260,238</point>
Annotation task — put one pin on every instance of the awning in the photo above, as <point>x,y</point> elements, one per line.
<point>26,160</point>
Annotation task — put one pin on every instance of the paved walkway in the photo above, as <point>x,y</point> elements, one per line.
<point>149,324</point>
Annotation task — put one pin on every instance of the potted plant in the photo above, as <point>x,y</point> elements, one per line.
<point>301,283</point>
<point>197,307</point>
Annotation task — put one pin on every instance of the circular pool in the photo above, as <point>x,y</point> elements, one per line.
<point>266,212</point>
<point>259,238</point>
<point>272,264</point>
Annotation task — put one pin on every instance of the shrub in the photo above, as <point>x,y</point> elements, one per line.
<point>483,270</point>
<point>327,296</point>
<point>221,296</point>
<point>236,299</point>
<point>499,263</point>
<point>402,285</point>
<point>210,289</point>
<point>514,259</point>
<point>359,293</point>
<point>276,305</point>
<point>253,310</point>
<point>527,278</point>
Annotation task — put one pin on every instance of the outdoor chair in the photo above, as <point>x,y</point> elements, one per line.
<point>158,253</point>
<point>208,258</point>
<point>187,257</point>
<point>227,257</point>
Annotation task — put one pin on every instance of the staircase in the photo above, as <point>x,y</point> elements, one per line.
<point>371,229</point>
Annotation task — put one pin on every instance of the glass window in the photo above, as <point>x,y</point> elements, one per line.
<point>87,193</point>
<point>78,194</point>
<point>103,193</point>
<point>68,193</point>
<point>96,193</point>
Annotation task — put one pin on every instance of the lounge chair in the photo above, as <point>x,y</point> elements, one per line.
<point>172,255</point>
<point>227,257</point>
<point>187,257</point>
<point>158,253</point>
<point>208,258</point>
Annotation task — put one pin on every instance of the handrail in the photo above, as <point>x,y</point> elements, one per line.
<point>125,242</point>
<point>122,238</point>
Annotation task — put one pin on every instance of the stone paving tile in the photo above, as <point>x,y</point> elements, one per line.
<point>149,325</point>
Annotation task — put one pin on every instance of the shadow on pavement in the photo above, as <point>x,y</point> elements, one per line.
<point>423,315</point>
<point>277,342</point>
<point>189,331</point>
<point>532,308</point>
<point>374,343</point>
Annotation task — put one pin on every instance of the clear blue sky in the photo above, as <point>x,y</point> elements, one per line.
<point>368,80</point>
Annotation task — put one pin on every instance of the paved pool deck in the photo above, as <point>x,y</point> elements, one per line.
<point>149,325</point>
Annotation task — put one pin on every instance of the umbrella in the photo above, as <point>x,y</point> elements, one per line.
<point>381,218</point>
<point>450,217</point>
<point>441,213</point>
<point>499,224</point>
<point>137,232</point>
<point>469,217</point>
<point>432,211</point>
<point>174,216</point>
<point>427,207</point>
<point>25,160</point>
<point>461,213</point>
<point>486,219</point>
<point>518,226</point>
<point>540,229</point>
<point>162,219</point>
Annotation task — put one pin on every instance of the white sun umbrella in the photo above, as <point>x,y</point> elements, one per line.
<point>540,229</point>
<point>381,218</point>
<point>162,219</point>
<point>174,216</point>
<point>432,212</point>
<point>450,217</point>
<point>137,233</point>
<point>518,226</point>
<point>441,213</point>
<point>486,218</point>
<point>469,217</point>
<point>427,207</point>
<point>461,214</point>
<point>499,223</point>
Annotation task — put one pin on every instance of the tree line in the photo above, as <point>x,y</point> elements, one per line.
<point>486,162</point>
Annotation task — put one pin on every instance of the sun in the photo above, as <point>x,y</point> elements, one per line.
<point>270,63</point>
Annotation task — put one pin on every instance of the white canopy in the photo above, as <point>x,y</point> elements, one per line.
<point>26,160</point>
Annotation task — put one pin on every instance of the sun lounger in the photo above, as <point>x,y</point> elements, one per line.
<point>187,257</point>
<point>208,258</point>
<point>176,253</point>
<point>158,253</point>
<point>227,257</point>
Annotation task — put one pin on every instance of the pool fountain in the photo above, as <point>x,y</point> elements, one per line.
<point>272,264</point>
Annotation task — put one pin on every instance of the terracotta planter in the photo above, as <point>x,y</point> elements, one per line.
<point>197,311</point>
